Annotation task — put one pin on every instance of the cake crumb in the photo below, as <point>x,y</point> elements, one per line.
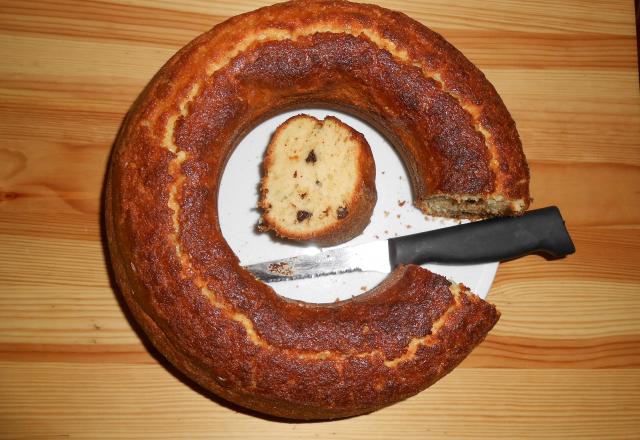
<point>281,269</point>
<point>408,226</point>
<point>363,288</point>
<point>397,215</point>
<point>386,213</point>
<point>401,203</point>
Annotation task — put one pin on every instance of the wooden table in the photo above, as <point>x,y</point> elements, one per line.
<point>564,360</point>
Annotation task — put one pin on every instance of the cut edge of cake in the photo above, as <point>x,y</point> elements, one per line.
<point>318,182</point>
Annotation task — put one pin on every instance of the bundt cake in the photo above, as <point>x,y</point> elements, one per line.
<point>318,181</point>
<point>211,318</point>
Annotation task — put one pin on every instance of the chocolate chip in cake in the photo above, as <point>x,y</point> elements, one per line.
<point>342,212</point>
<point>303,195</point>
<point>303,215</point>
<point>311,158</point>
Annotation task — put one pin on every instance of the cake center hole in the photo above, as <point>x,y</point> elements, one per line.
<point>394,214</point>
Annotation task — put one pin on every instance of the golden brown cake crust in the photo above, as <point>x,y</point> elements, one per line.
<point>358,205</point>
<point>211,318</point>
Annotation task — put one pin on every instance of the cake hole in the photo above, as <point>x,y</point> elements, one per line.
<point>238,216</point>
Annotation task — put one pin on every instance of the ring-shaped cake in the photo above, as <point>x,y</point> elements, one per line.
<point>212,319</point>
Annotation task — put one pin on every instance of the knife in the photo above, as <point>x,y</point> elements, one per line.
<point>538,231</point>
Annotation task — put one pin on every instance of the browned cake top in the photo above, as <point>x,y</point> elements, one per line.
<point>211,318</point>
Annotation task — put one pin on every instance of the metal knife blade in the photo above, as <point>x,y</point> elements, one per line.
<point>538,231</point>
<point>372,256</point>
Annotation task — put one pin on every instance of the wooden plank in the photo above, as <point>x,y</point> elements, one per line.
<point>597,194</point>
<point>72,306</point>
<point>53,197</point>
<point>562,114</point>
<point>497,351</point>
<point>531,352</point>
<point>514,50</point>
<point>103,21</point>
<point>146,401</point>
<point>572,16</point>
<point>52,262</point>
<point>175,27</point>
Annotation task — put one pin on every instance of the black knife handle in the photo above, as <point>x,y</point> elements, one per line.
<point>541,230</point>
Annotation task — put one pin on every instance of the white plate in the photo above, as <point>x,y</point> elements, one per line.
<point>394,215</point>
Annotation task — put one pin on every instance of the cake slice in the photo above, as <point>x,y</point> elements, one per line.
<point>318,181</point>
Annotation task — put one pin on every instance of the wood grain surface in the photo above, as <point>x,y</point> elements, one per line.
<point>564,360</point>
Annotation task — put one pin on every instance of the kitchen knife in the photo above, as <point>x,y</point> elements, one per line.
<point>497,239</point>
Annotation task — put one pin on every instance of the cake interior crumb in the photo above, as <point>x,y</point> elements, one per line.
<point>311,176</point>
